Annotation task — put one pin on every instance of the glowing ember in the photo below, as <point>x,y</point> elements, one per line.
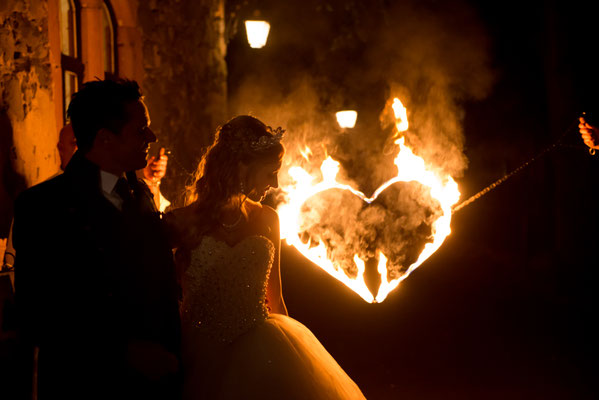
<point>257,32</point>
<point>410,168</point>
<point>347,118</point>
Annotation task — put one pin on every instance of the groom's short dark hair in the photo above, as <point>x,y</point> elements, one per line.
<point>101,104</point>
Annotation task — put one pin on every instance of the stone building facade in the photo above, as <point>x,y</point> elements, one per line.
<point>175,49</point>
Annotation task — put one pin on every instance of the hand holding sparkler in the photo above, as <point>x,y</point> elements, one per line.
<point>156,167</point>
<point>589,133</point>
<point>153,173</point>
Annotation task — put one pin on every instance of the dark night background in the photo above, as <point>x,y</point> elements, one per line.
<point>505,308</point>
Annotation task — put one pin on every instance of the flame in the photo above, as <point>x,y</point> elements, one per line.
<point>409,168</point>
<point>401,115</point>
<point>306,153</point>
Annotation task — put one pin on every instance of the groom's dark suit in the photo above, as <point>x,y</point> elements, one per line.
<point>90,281</point>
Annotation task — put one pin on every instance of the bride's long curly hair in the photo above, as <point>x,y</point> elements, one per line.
<point>243,139</point>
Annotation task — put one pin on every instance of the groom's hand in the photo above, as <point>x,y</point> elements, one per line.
<point>151,360</point>
<point>156,166</point>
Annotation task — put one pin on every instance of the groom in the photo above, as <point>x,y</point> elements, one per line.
<point>95,285</point>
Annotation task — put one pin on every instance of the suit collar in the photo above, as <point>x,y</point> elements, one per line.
<point>85,178</point>
<point>82,171</point>
<point>108,181</point>
<point>86,172</point>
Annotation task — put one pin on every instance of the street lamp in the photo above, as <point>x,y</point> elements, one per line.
<point>257,32</point>
<point>346,118</point>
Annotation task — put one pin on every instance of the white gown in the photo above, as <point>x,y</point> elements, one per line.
<point>233,348</point>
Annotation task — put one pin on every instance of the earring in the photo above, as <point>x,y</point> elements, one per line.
<point>241,187</point>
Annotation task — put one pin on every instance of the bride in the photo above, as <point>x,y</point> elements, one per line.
<point>238,341</point>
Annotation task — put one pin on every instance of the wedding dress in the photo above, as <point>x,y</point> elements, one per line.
<point>233,348</point>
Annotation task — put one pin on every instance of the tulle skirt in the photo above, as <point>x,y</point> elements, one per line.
<point>277,359</point>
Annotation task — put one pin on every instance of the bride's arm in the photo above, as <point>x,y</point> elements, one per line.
<point>274,292</point>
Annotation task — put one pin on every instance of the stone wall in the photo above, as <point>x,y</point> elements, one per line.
<point>28,127</point>
<point>182,70</point>
<point>184,79</point>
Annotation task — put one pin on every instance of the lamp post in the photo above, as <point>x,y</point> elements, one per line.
<point>347,118</point>
<point>257,33</point>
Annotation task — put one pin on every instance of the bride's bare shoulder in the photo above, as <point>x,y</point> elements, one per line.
<point>266,217</point>
<point>269,214</point>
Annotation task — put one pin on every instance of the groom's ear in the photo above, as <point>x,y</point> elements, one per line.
<point>104,137</point>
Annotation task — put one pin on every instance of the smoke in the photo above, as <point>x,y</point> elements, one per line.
<point>360,55</point>
<point>398,224</point>
<point>432,55</point>
<point>436,60</point>
<point>311,133</point>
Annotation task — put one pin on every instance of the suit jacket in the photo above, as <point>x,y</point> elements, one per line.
<point>89,280</point>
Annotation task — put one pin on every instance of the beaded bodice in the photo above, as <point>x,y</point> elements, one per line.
<point>224,288</point>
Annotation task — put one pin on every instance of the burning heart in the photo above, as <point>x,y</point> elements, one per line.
<point>397,223</point>
<point>340,229</point>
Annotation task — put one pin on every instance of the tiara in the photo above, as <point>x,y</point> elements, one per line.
<point>266,141</point>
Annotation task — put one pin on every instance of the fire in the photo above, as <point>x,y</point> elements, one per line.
<point>409,168</point>
<point>306,153</point>
<point>401,115</point>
